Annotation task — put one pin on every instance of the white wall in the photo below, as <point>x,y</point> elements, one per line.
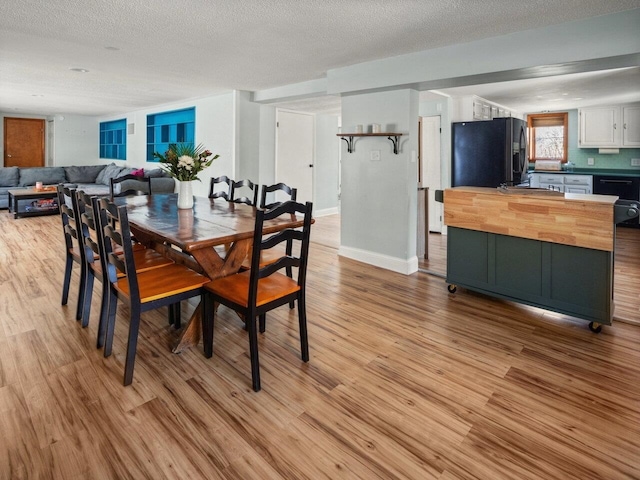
<point>379,198</point>
<point>215,122</point>
<point>326,171</point>
<point>76,140</point>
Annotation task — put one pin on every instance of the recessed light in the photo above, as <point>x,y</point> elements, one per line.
<point>80,70</point>
<point>565,94</point>
<point>578,98</point>
<point>37,95</point>
<point>111,48</point>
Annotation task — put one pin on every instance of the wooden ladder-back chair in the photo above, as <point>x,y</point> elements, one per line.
<point>254,292</point>
<point>235,186</point>
<point>141,291</point>
<point>278,187</point>
<point>73,251</point>
<point>136,185</point>
<point>225,193</point>
<point>144,259</point>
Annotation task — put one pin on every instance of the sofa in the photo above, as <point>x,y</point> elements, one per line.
<point>92,179</point>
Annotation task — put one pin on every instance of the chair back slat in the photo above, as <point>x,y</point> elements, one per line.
<point>89,231</point>
<point>278,187</point>
<point>235,194</point>
<point>128,185</point>
<point>225,193</point>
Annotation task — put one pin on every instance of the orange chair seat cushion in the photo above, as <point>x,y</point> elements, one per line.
<point>164,281</point>
<point>236,288</point>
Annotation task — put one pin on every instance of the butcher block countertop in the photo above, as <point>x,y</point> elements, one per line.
<point>567,218</point>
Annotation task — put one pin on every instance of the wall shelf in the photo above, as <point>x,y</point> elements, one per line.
<point>348,138</point>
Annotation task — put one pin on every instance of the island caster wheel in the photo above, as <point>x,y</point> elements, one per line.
<point>452,288</point>
<point>595,327</point>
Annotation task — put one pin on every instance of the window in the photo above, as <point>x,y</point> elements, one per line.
<point>113,139</point>
<point>165,128</point>
<point>548,136</point>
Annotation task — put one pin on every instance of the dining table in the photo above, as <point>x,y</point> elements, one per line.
<point>214,238</point>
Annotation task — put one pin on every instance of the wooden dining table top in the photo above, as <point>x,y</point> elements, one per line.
<point>211,222</point>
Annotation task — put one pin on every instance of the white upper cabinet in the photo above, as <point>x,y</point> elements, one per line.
<point>631,126</point>
<point>472,107</point>
<point>609,126</point>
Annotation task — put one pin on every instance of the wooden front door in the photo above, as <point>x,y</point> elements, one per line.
<point>23,142</point>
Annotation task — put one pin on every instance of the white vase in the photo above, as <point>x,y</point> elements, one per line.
<point>185,194</point>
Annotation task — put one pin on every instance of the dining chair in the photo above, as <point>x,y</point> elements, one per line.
<point>278,187</point>
<point>141,291</point>
<point>234,194</point>
<point>136,185</point>
<point>252,293</point>
<point>226,193</point>
<point>144,259</point>
<point>73,251</point>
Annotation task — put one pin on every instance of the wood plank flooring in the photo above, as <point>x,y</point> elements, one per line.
<point>405,382</point>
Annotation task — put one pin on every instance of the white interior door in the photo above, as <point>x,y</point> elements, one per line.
<point>294,152</point>
<point>431,170</point>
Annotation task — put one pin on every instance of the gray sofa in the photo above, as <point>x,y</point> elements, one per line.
<point>93,179</point>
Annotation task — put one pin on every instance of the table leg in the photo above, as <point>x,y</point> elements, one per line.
<point>214,267</point>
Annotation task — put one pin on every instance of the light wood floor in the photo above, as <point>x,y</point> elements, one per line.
<point>405,381</point>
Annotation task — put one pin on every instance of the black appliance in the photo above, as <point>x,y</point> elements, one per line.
<point>627,188</point>
<point>489,153</point>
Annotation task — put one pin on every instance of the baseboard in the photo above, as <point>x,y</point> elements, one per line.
<point>406,267</point>
<point>326,211</point>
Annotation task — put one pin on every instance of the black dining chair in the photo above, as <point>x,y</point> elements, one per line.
<point>225,193</point>
<point>144,259</point>
<point>135,185</point>
<point>278,187</point>
<point>252,293</point>
<point>235,194</point>
<point>141,291</point>
<point>74,253</point>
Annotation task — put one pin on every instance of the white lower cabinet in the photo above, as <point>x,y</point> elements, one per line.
<point>570,183</point>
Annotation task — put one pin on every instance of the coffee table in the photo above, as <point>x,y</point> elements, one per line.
<point>16,197</point>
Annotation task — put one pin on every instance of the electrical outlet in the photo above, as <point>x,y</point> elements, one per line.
<point>590,161</point>
<point>635,162</point>
<point>375,155</point>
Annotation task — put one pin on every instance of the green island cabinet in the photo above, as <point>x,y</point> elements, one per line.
<point>553,251</point>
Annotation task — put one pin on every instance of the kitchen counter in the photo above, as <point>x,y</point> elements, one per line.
<point>538,247</point>
<point>594,171</point>
<point>567,218</point>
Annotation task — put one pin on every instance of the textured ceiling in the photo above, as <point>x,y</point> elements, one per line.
<point>146,53</point>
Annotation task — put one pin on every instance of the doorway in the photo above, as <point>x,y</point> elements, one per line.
<point>24,142</point>
<point>430,168</point>
<point>294,152</point>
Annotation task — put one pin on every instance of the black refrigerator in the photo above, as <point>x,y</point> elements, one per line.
<point>489,153</point>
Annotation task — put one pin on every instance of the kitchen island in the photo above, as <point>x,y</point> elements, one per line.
<point>547,249</point>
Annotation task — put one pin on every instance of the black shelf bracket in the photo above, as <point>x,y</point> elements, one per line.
<point>349,141</point>
<point>395,139</point>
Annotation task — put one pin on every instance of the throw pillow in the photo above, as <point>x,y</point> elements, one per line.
<point>9,176</point>
<point>100,177</point>
<point>138,173</point>
<point>110,171</point>
<point>83,174</point>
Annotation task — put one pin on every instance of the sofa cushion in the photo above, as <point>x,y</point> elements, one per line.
<point>46,175</point>
<point>83,173</point>
<point>155,173</point>
<point>138,172</point>
<point>110,171</point>
<point>9,176</point>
